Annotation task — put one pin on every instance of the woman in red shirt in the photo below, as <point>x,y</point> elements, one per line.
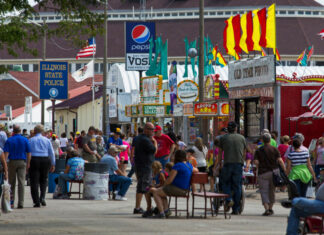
<point>283,146</point>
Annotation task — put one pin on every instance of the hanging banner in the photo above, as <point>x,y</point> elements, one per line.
<point>178,110</point>
<point>187,91</point>
<point>160,111</point>
<point>113,103</point>
<point>150,87</point>
<point>173,85</point>
<point>188,109</point>
<point>223,109</point>
<point>205,109</point>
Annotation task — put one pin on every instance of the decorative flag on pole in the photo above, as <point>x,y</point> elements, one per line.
<point>220,60</point>
<point>246,42</point>
<point>310,52</point>
<point>173,85</point>
<point>321,34</point>
<point>88,50</point>
<point>262,14</point>
<point>263,52</point>
<point>256,31</point>
<point>301,57</point>
<point>278,57</point>
<point>237,33</point>
<point>228,38</point>
<point>271,28</point>
<point>243,43</point>
<point>214,52</point>
<point>84,73</point>
<point>315,102</point>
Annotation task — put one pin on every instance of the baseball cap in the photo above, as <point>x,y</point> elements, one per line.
<point>113,149</point>
<point>117,129</point>
<point>158,128</point>
<point>78,133</point>
<point>53,135</point>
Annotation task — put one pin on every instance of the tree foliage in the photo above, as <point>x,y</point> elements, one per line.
<point>80,19</point>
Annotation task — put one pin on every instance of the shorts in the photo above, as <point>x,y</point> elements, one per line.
<point>171,190</point>
<point>126,162</point>
<point>202,169</point>
<point>210,170</point>
<point>144,179</point>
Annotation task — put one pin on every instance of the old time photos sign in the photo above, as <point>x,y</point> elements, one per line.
<point>250,72</point>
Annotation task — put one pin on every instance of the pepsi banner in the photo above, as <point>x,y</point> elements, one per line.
<point>137,39</point>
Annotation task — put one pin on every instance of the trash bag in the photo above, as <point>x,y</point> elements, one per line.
<point>5,198</point>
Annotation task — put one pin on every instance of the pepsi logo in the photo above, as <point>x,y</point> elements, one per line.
<point>140,34</point>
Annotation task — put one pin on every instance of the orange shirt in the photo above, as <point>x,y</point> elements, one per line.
<point>192,161</point>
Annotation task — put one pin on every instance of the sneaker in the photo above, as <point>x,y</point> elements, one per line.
<point>271,211</point>
<point>167,213</point>
<point>228,205</point>
<point>266,213</point>
<point>286,204</point>
<point>120,198</point>
<point>147,214</point>
<point>159,216</point>
<point>138,211</point>
<point>43,202</point>
<point>156,211</point>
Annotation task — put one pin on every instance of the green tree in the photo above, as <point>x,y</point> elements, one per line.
<point>79,17</point>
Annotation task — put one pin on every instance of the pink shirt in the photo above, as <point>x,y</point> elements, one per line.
<point>125,153</point>
<point>320,155</point>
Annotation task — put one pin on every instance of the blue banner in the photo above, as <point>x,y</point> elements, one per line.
<point>138,35</point>
<point>53,80</point>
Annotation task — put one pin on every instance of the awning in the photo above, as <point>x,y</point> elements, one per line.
<point>304,115</point>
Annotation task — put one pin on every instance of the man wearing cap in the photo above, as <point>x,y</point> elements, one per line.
<point>165,146</point>
<point>78,143</point>
<point>145,148</point>
<point>42,161</point>
<point>17,150</point>
<point>115,174</point>
<point>116,140</point>
<point>234,147</point>
<point>89,145</point>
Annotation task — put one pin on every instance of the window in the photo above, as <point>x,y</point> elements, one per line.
<point>189,14</point>
<point>58,17</point>
<point>227,13</point>
<point>206,13</point>
<point>101,67</point>
<point>315,13</point>
<point>25,67</point>
<point>220,13</point>
<point>212,13</point>
<point>37,18</point>
<point>166,14</point>
<point>159,14</point>
<point>44,18</point>
<point>122,16</point>
<point>77,66</point>
<point>319,63</point>
<point>70,68</point>
<point>174,14</point>
<point>129,16</point>
<point>292,63</point>
<point>291,12</point>
<point>96,68</point>
<point>196,13</point>
<point>308,12</point>
<point>115,16</point>
<point>300,12</point>
<point>282,12</point>
<point>182,14</point>
<point>35,67</point>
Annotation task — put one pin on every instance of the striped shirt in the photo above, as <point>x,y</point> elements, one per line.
<point>298,158</point>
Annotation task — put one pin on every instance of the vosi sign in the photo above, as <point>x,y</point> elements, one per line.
<point>137,45</point>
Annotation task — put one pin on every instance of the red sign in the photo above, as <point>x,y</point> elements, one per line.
<point>205,109</point>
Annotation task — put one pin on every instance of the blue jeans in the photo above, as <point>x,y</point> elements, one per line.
<point>162,160</point>
<point>302,187</point>
<point>302,207</point>
<point>123,183</point>
<point>232,183</point>
<point>62,182</point>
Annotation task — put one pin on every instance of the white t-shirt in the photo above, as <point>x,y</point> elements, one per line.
<point>200,156</point>
<point>63,142</point>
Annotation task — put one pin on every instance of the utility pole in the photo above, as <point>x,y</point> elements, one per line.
<point>203,122</point>
<point>105,115</point>
<point>44,58</point>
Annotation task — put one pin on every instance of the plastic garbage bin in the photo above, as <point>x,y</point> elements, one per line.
<point>95,181</point>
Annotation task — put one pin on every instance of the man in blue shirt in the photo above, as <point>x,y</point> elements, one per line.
<point>17,150</point>
<point>42,160</point>
<point>115,174</point>
<point>115,141</point>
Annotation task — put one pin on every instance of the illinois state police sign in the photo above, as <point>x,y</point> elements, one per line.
<point>137,38</point>
<point>53,80</point>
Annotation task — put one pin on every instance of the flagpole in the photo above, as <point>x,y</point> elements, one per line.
<point>93,88</point>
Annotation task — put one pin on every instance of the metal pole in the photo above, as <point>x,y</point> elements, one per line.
<point>277,104</point>
<point>44,58</point>
<point>53,115</point>
<point>203,122</point>
<point>105,114</point>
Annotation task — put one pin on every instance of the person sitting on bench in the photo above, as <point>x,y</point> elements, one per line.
<point>302,207</point>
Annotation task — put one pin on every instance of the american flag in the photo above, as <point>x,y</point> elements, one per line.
<point>315,102</point>
<point>88,50</point>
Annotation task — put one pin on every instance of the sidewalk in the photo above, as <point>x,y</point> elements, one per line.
<point>115,217</point>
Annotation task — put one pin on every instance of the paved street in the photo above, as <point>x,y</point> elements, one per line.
<point>114,217</point>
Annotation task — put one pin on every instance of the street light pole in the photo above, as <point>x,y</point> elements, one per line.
<point>203,122</point>
<point>105,115</point>
<point>44,58</point>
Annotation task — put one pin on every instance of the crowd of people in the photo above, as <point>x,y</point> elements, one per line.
<point>163,164</point>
